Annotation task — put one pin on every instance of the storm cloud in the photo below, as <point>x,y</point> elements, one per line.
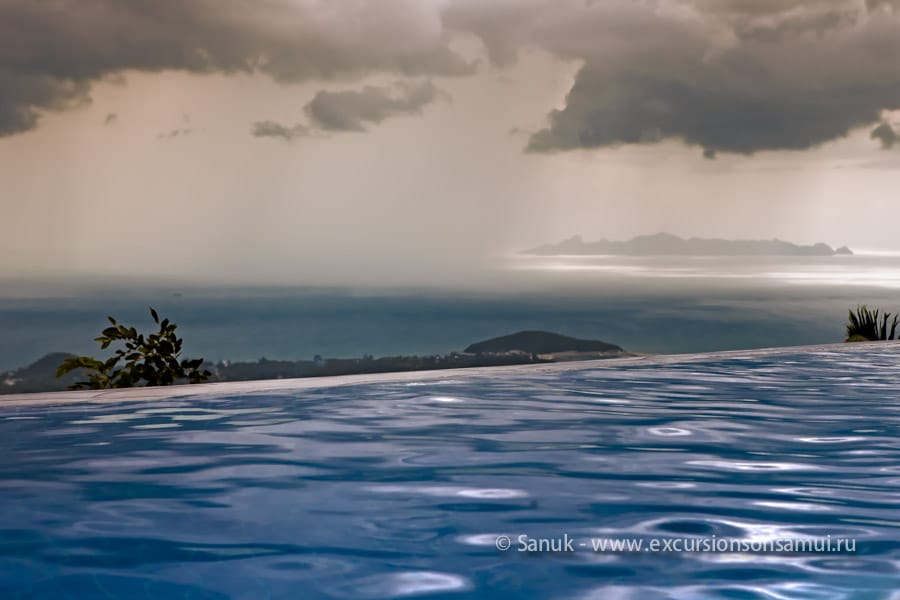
<point>273,129</point>
<point>727,76</point>
<point>887,135</point>
<point>51,52</point>
<point>734,82</point>
<point>352,110</point>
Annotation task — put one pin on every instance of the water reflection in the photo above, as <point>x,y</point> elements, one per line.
<point>869,269</point>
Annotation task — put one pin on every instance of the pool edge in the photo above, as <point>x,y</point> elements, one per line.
<point>305,383</point>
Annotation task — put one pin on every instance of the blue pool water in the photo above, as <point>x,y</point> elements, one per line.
<point>396,489</point>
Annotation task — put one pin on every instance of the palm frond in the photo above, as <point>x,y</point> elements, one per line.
<point>870,325</point>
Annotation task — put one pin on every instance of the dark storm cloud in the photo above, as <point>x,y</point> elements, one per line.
<point>352,110</point>
<point>604,109</point>
<point>273,129</point>
<point>736,76</point>
<point>714,81</point>
<point>51,52</point>
<point>887,135</point>
<point>22,95</point>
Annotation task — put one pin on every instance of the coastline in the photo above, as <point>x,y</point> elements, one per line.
<point>13,401</point>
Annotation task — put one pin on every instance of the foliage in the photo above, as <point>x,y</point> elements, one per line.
<point>148,360</point>
<point>866,325</point>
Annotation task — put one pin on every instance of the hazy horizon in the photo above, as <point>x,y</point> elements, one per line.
<point>485,276</point>
<point>644,304</point>
<point>419,143</point>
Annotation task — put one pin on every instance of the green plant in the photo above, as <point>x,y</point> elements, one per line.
<point>866,325</point>
<point>147,360</point>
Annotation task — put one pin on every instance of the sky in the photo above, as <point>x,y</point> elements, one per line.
<point>422,141</point>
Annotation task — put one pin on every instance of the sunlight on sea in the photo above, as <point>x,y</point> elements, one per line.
<point>867,268</point>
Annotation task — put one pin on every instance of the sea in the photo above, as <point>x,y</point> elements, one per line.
<point>651,305</point>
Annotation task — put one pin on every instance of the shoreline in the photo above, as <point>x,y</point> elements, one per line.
<point>305,383</point>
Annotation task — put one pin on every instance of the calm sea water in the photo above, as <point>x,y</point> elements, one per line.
<point>402,489</point>
<point>650,305</point>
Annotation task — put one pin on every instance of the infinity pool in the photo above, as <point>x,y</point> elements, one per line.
<point>406,487</point>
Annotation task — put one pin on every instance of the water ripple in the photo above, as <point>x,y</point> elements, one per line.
<point>402,489</point>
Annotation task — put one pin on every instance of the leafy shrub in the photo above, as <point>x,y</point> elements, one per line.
<point>866,325</point>
<point>147,360</point>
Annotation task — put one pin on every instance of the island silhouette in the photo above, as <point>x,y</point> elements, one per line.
<point>666,244</point>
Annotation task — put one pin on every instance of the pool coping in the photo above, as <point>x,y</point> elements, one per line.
<point>306,383</point>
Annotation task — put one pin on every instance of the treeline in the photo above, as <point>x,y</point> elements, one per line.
<point>282,369</point>
<point>41,376</point>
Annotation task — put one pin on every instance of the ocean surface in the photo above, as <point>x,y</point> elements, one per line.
<point>425,488</point>
<point>647,305</point>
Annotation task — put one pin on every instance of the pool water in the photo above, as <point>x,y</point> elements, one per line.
<point>395,489</point>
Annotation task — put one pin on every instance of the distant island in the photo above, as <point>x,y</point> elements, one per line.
<point>666,244</point>
<point>524,347</point>
<point>541,343</point>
